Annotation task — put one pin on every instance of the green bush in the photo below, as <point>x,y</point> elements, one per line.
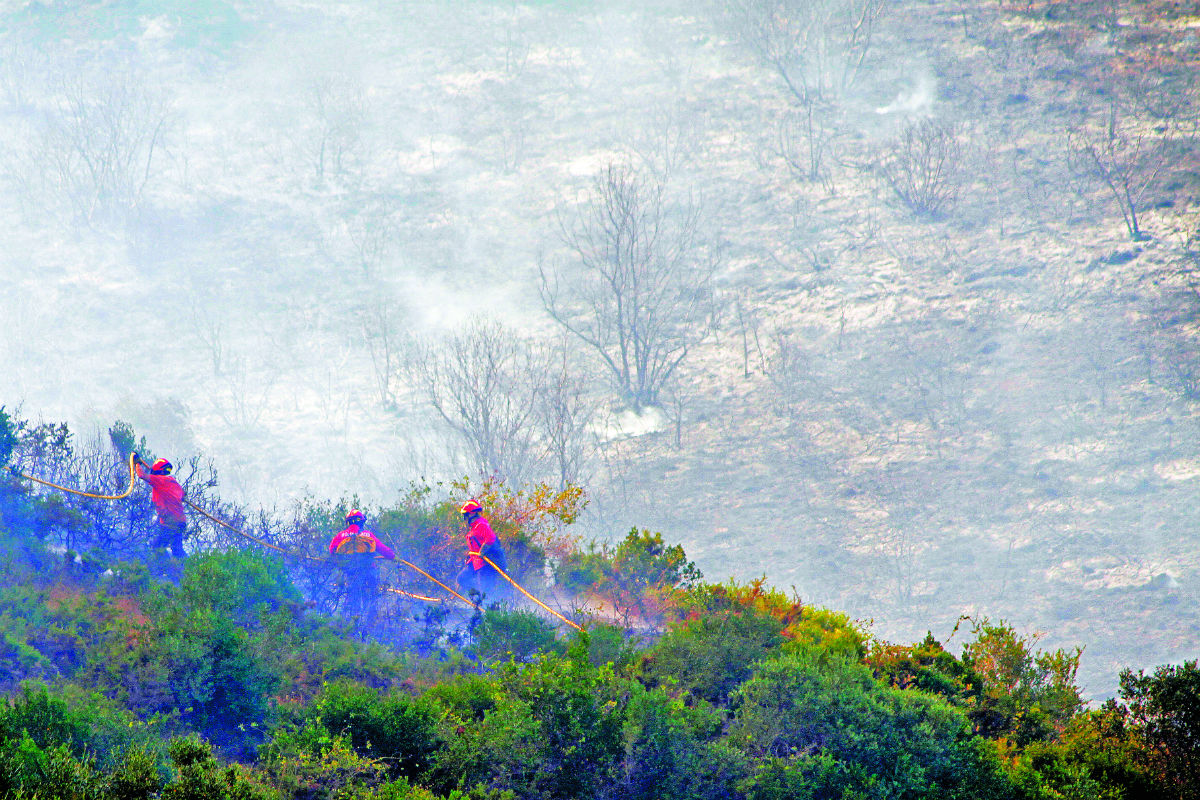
<point>86,723</point>
<point>711,655</point>
<point>608,644</point>
<point>311,763</point>
<point>243,585</point>
<point>397,729</point>
<point>673,750</point>
<point>1163,709</point>
<point>198,776</point>
<point>888,743</point>
<point>1026,695</point>
<point>548,729</point>
<point>137,777</point>
<point>517,634</point>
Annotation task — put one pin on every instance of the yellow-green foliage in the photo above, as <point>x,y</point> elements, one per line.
<point>827,630</point>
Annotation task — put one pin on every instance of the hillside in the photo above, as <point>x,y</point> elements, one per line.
<point>984,408</point>
<point>246,671</point>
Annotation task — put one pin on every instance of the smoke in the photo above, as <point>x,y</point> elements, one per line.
<point>916,100</point>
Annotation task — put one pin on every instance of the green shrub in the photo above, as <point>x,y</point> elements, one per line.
<point>86,723</point>
<point>137,777</point>
<point>1163,710</point>
<point>311,763</point>
<point>517,634</point>
<point>241,584</point>
<point>198,776</point>
<point>673,751</point>
<point>1026,695</point>
<point>553,729</point>
<point>713,654</point>
<point>398,730</point>
<point>607,644</point>
<point>889,743</point>
<point>832,631</point>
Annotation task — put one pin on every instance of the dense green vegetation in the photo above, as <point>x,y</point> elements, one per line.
<point>129,676</point>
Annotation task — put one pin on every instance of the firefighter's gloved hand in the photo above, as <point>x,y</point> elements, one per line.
<point>487,550</point>
<point>137,459</point>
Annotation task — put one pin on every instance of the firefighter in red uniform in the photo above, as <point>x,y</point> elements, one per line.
<point>481,541</point>
<point>356,550</point>
<point>167,496</point>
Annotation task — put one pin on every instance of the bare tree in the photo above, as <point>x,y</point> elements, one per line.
<point>19,75</point>
<point>332,143</point>
<point>922,167</point>
<point>209,328</point>
<point>485,383</point>
<point>372,234</point>
<point>99,146</point>
<point>817,47</point>
<point>668,138</point>
<point>640,290</point>
<point>385,345</point>
<point>250,386</point>
<point>746,315</point>
<point>565,413</point>
<point>806,142</point>
<point>1123,157</point>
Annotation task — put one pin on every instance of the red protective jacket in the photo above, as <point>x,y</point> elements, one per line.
<point>355,540</point>
<point>166,494</point>
<point>479,534</point>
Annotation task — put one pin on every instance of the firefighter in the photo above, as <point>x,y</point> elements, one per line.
<point>478,574</point>
<point>167,496</point>
<point>356,549</point>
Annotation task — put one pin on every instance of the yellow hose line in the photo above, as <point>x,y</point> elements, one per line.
<point>121,496</point>
<point>394,590</point>
<point>225,524</point>
<point>435,580</point>
<point>264,543</point>
<point>521,589</point>
<point>287,552</point>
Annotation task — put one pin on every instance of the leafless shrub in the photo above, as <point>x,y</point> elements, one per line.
<point>331,137</point>
<point>1178,354</point>
<point>386,345</point>
<point>1186,227</point>
<point>484,383</point>
<point>521,409</point>
<point>1122,157</point>
<point>817,47</point>
<point>792,372</point>
<point>514,39</point>
<point>747,319</point>
<point>675,403</point>
<point>209,327</point>
<point>668,139</point>
<point>98,146</point>
<point>564,414</point>
<point>638,290</point>
<point>19,75</point>
<point>249,385</point>
<point>806,143</point>
<point>1168,94</point>
<point>1170,341</point>
<point>333,396</point>
<point>921,166</point>
<point>372,235</point>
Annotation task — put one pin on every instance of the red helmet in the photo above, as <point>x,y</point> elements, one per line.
<point>356,516</point>
<point>163,466</point>
<point>470,507</point>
